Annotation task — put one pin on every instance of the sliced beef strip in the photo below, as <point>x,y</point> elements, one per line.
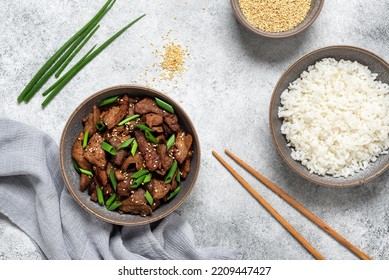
<point>120,175</point>
<point>116,113</point>
<point>136,203</point>
<point>85,181</point>
<point>147,105</point>
<point>137,160</point>
<point>131,108</point>
<point>148,151</point>
<point>158,188</point>
<point>94,153</point>
<point>171,121</point>
<point>124,187</point>
<point>90,121</point>
<point>166,160</point>
<point>101,175</point>
<point>182,146</point>
<point>108,191</point>
<point>185,168</point>
<point>152,119</point>
<point>157,129</point>
<point>78,153</point>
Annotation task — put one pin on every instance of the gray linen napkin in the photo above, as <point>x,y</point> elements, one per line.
<point>33,196</point>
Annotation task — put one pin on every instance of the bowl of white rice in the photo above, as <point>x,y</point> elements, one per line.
<point>329,116</point>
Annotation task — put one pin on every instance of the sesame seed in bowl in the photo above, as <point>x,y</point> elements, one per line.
<point>276,18</point>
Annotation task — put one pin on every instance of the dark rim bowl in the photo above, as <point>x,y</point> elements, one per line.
<point>375,63</point>
<point>72,178</point>
<point>313,13</point>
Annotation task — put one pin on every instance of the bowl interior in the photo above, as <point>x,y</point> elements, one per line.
<point>313,13</point>
<point>375,64</point>
<point>72,178</point>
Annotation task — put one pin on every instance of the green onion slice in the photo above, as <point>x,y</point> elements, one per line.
<point>166,106</point>
<point>178,177</point>
<point>138,182</point>
<point>100,196</point>
<point>110,200</point>
<point>108,148</point>
<point>151,137</point>
<point>100,126</point>
<point>143,127</point>
<point>147,178</point>
<point>126,143</point>
<point>86,172</point>
<point>85,140</point>
<point>139,173</point>
<point>112,178</point>
<point>114,205</point>
<point>126,120</point>
<point>174,193</point>
<point>170,142</point>
<point>134,147</point>
<point>76,166</point>
<point>171,172</point>
<point>149,198</point>
<point>108,101</point>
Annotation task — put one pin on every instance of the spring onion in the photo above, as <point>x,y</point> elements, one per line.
<point>126,143</point>
<point>100,196</point>
<point>85,140</point>
<point>109,100</point>
<point>75,69</point>
<point>170,142</point>
<point>76,51</point>
<point>86,172</point>
<point>112,178</point>
<point>137,182</point>
<point>147,178</point>
<point>170,174</point>
<point>166,106</point>
<point>151,137</point>
<point>149,198</point>
<point>61,60</point>
<point>134,147</point>
<point>114,205</point>
<point>108,148</point>
<point>140,173</point>
<point>126,120</point>
<point>174,193</point>
<point>47,91</point>
<point>100,126</point>
<point>61,50</point>
<point>143,127</point>
<point>76,166</point>
<point>110,200</point>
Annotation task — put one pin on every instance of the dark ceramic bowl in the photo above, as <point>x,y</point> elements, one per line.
<point>375,64</point>
<point>313,13</point>
<point>72,178</point>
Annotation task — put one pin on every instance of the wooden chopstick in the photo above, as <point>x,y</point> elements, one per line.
<point>271,210</point>
<point>300,208</point>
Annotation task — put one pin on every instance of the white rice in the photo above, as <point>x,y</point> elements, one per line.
<point>335,117</point>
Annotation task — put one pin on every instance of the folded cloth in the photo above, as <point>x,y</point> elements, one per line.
<point>34,198</point>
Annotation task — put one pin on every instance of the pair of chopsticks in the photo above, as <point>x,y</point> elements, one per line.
<point>291,202</point>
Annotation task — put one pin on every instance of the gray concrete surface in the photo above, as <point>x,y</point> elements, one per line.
<point>226,87</point>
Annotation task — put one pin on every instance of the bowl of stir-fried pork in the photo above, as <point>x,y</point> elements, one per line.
<point>129,155</point>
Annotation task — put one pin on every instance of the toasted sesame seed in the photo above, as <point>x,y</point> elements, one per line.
<point>275,15</point>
